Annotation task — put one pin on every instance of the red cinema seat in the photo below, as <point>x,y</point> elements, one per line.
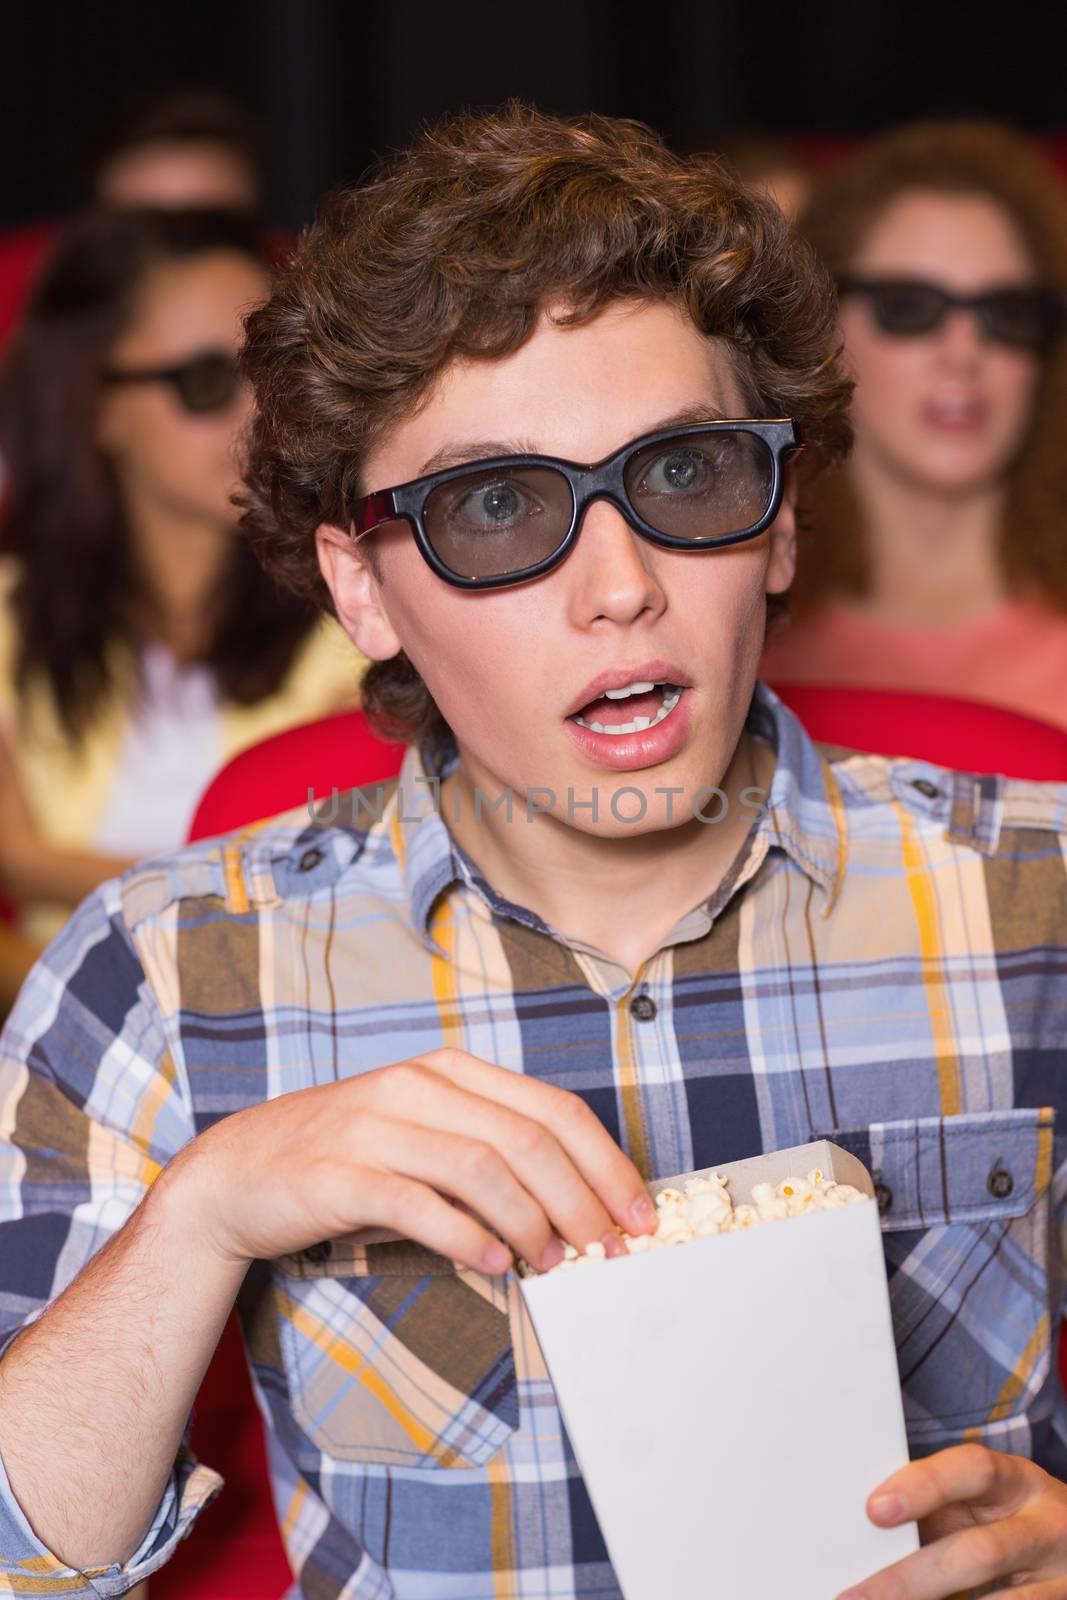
<point>22,252</point>
<point>964,734</point>
<point>235,1551</point>
<point>338,752</point>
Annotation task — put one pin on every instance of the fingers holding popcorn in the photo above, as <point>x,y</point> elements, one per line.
<point>985,1515</point>
<point>529,1160</point>
<point>464,1168</point>
<point>431,1220</point>
<point>594,1164</point>
<point>1050,1589</point>
<point>704,1207</point>
<point>990,1483</point>
<point>939,1571</point>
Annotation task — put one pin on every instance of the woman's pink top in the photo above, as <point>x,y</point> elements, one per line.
<point>1014,656</point>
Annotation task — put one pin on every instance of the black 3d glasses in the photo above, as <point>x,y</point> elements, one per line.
<point>1028,318</point>
<point>206,382</point>
<point>490,523</point>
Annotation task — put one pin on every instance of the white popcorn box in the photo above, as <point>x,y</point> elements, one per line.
<point>733,1400</point>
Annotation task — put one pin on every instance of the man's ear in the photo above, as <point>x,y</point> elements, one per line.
<point>782,559</point>
<point>356,591</point>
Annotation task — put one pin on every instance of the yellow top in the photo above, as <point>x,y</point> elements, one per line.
<point>67,785</point>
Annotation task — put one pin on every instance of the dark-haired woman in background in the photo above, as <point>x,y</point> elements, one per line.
<point>140,643</point>
<point>936,559</point>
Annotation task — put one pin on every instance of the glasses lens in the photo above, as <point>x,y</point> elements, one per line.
<point>489,524</point>
<point>207,384</point>
<point>908,308</point>
<point>1026,317</point>
<point>702,485</point>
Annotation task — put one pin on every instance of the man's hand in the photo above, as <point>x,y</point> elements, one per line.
<point>391,1148</point>
<point>983,1516</point>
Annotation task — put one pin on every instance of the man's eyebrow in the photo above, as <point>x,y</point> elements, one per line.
<point>458,455</point>
<point>473,450</point>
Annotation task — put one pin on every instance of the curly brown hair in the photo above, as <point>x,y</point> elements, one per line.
<point>964,157</point>
<point>452,249</point>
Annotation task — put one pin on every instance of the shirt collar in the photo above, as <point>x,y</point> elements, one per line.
<point>425,850</point>
<point>430,859</point>
<point>805,813</point>
<point>804,816</point>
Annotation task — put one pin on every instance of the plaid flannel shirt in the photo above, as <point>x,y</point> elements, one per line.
<point>885,966</point>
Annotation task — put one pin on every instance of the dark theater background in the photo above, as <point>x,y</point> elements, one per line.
<point>338,80</point>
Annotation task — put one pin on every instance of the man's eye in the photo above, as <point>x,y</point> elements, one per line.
<point>679,472</point>
<point>495,506</point>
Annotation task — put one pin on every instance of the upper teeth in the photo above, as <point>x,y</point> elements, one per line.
<point>671,698</point>
<point>954,408</point>
<point>630,688</point>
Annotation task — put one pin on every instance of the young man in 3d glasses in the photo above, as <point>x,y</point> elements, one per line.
<point>529,410</point>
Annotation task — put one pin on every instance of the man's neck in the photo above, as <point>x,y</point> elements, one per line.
<point>933,557</point>
<point>622,896</point>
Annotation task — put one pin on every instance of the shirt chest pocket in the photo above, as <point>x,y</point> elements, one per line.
<point>964,1207</point>
<point>394,1355</point>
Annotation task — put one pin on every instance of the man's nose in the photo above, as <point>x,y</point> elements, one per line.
<point>610,570</point>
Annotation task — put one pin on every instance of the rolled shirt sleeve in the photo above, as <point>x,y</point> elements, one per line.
<point>28,1567</point>
<point>92,1107</point>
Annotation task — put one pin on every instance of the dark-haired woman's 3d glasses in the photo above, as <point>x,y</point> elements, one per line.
<point>206,382</point>
<point>490,523</point>
<point>907,308</point>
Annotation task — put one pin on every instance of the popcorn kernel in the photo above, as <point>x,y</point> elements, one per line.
<point>706,1208</point>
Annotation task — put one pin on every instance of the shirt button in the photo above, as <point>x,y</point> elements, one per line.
<point>1000,1183</point>
<point>310,860</point>
<point>883,1194</point>
<point>928,790</point>
<point>319,1252</point>
<point>642,1007</point>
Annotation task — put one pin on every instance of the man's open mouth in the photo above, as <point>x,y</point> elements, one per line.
<point>631,709</point>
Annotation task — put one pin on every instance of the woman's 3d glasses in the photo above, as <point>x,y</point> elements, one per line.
<point>496,522</point>
<point>1028,318</point>
<point>206,382</point>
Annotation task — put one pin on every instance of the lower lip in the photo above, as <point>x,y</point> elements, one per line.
<point>627,752</point>
<point>969,422</point>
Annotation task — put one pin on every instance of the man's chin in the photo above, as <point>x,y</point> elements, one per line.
<point>612,802</point>
<point>621,805</point>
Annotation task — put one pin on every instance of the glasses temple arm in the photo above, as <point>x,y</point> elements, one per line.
<point>370,512</point>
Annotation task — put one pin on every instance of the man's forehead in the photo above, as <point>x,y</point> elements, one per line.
<point>577,391</point>
<point>458,453</point>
